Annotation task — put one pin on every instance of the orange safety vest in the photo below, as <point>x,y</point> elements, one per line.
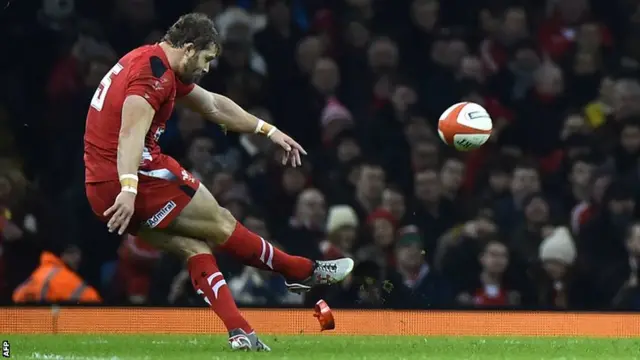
<point>54,282</point>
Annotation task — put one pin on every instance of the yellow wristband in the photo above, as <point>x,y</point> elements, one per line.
<point>129,176</point>
<point>264,128</point>
<point>129,181</point>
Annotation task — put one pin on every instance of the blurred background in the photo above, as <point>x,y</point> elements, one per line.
<point>543,216</point>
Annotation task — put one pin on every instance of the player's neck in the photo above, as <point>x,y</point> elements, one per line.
<point>173,55</point>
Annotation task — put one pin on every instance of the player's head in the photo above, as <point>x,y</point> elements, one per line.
<point>195,34</point>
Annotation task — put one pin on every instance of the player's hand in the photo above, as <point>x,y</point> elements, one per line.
<point>292,150</point>
<point>121,212</point>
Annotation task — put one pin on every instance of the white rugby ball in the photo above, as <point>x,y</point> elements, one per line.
<point>465,126</point>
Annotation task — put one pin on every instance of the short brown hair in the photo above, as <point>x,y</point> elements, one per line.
<point>195,28</point>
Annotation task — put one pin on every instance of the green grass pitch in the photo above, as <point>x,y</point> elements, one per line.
<point>312,347</point>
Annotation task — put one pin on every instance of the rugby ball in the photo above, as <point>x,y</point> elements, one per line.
<point>465,126</point>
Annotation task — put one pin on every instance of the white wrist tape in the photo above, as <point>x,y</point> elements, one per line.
<point>130,189</point>
<point>259,126</point>
<point>272,131</point>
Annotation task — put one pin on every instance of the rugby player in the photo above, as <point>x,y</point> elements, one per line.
<point>134,188</point>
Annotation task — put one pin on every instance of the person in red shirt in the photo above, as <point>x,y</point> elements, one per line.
<point>489,288</point>
<point>568,22</point>
<point>136,262</point>
<point>134,188</point>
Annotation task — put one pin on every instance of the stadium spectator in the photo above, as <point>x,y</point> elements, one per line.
<point>237,200</point>
<point>530,230</point>
<point>580,173</point>
<point>460,247</point>
<point>560,286</point>
<point>368,189</point>
<point>601,107</point>
<point>56,280</point>
<point>394,201</point>
<point>626,93</point>
<point>188,124</point>
<point>306,228</point>
<point>132,277</point>
<point>199,156</point>
<point>498,181</point>
<point>512,83</point>
<point>433,213</point>
<point>584,211</point>
<point>342,232</point>
<point>424,156</point>
<point>288,188</point>
<point>513,27</point>
<point>452,174</point>
<point>490,289</point>
<point>610,223</point>
<point>623,277</point>
<point>413,278</point>
<point>381,235</point>
<point>525,181</point>
<point>626,154</point>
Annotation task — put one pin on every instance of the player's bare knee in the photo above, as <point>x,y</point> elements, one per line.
<point>192,248</point>
<point>223,226</point>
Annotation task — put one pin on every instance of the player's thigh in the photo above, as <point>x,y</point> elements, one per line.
<point>203,218</point>
<point>183,247</point>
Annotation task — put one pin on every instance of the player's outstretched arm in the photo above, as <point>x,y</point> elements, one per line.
<point>222,110</point>
<point>137,115</point>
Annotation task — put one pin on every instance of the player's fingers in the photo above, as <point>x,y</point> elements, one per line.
<point>112,219</point>
<point>285,158</point>
<point>115,220</point>
<point>111,210</point>
<point>297,157</point>
<point>124,215</point>
<point>295,145</point>
<point>292,158</point>
<point>285,145</point>
<point>118,222</point>
<point>125,223</point>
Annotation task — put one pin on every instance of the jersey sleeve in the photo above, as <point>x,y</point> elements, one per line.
<point>143,82</point>
<point>183,89</point>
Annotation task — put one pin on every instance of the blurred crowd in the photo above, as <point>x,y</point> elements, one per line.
<point>543,216</point>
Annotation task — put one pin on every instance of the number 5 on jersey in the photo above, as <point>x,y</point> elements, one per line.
<point>101,92</point>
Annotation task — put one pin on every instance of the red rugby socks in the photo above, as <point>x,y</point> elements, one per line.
<point>252,250</point>
<point>208,281</point>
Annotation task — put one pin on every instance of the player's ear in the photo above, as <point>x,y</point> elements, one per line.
<point>189,48</point>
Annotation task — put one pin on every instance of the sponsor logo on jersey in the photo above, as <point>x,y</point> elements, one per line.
<point>157,85</point>
<point>187,177</point>
<point>161,214</point>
